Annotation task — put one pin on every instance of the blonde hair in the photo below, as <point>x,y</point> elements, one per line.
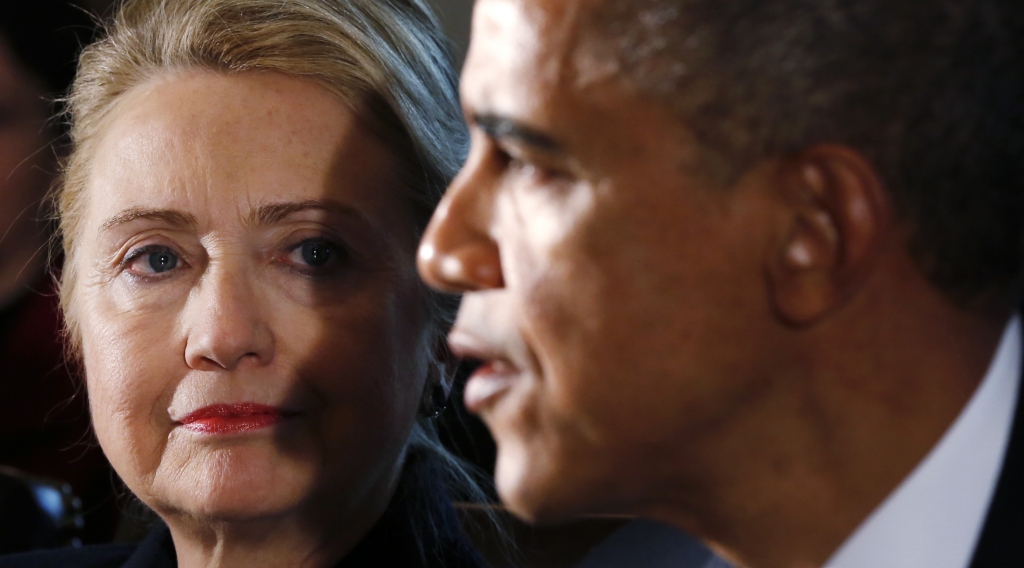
<point>387,60</point>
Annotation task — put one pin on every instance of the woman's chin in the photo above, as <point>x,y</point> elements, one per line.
<point>247,482</point>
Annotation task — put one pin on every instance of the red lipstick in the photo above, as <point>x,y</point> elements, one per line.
<point>232,418</point>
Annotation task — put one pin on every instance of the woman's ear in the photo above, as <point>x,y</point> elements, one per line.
<point>437,388</point>
<point>837,214</point>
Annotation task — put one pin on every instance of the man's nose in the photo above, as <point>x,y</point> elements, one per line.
<point>225,325</point>
<point>458,253</point>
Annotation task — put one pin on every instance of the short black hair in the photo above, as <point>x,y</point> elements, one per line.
<point>45,37</point>
<point>931,91</point>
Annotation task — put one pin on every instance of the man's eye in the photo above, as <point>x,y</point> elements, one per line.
<point>522,168</point>
<point>514,163</point>
<point>152,260</point>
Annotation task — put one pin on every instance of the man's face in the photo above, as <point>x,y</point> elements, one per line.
<point>616,297</point>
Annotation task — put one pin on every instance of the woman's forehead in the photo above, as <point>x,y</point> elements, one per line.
<point>207,141</point>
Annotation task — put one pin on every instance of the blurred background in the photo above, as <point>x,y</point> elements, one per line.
<point>455,15</point>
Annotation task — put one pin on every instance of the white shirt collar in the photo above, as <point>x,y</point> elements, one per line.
<point>935,516</point>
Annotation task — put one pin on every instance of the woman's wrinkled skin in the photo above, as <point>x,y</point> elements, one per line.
<point>246,241</point>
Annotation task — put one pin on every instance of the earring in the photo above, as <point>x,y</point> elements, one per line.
<point>434,401</point>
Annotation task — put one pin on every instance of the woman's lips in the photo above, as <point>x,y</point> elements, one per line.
<point>488,383</point>
<point>232,418</point>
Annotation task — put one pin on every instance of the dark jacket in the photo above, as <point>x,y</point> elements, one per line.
<point>419,529</point>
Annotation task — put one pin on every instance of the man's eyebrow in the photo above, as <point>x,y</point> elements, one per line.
<point>502,128</point>
<point>272,213</point>
<point>176,219</point>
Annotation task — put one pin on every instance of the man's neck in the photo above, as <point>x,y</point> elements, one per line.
<point>798,471</point>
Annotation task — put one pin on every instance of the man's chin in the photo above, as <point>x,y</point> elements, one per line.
<point>535,494</point>
<point>533,510</point>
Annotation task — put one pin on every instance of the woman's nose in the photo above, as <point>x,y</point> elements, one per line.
<point>458,253</point>
<point>225,325</point>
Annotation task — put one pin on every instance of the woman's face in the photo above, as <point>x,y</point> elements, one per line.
<point>254,333</point>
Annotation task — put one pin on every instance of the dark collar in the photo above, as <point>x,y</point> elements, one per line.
<point>156,551</point>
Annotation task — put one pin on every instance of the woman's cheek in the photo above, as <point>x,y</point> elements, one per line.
<point>129,377</point>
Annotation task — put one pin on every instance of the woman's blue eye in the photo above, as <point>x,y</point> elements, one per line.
<point>162,261</point>
<point>318,257</point>
<point>150,260</point>
<point>317,254</point>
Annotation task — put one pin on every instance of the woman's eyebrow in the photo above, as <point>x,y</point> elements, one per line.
<point>276,212</point>
<point>177,219</point>
<point>261,216</point>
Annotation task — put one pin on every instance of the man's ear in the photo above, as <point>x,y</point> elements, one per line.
<point>838,212</point>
